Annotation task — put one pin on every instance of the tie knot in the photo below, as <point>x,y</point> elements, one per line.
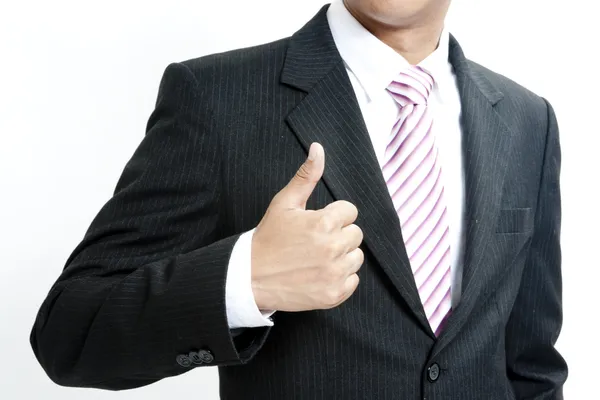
<point>411,86</point>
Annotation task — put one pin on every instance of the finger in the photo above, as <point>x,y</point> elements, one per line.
<point>340,214</point>
<point>350,285</point>
<point>352,235</point>
<point>301,186</point>
<point>354,261</point>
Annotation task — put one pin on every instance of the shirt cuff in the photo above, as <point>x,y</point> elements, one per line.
<point>242,311</point>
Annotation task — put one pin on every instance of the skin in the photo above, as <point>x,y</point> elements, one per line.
<point>305,259</point>
<point>411,27</point>
<point>308,259</point>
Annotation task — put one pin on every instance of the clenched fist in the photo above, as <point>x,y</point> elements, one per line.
<point>305,259</point>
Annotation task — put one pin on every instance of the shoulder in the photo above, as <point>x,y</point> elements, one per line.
<point>245,63</point>
<point>521,108</point>
<point>515,96</point>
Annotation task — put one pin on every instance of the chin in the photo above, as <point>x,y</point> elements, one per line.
<point>398,13</point>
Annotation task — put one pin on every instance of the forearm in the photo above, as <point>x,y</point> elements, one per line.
<point>126,329</point>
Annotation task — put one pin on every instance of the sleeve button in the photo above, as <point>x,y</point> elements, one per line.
<point>195,358</point>
<point>184,361</point>
<point>206,356</point>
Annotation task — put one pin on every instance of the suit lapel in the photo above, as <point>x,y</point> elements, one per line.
<point>486,151</point>
<point>330,115</point>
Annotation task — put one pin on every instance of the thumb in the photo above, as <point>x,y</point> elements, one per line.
<point>299,189</point>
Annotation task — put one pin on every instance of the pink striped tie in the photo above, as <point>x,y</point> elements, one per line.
<point>413,175</point>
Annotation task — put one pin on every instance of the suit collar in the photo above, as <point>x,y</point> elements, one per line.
<point>374,63</point>
<point>463,67</point>
<point>316,40</point>
<point>311,54</point>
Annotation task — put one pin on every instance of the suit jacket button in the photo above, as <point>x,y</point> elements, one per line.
<point>184,361</point>
<point>206,356</point>
<point>195,358</point>
<point>433,372</point>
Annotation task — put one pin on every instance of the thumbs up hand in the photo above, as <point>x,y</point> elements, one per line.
<point>305,259</point>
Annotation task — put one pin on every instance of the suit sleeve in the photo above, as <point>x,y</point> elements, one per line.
<point>534,366</point>
<point>146,286</point>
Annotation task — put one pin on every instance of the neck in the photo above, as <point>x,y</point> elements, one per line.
<point>413,45</point>
<point>413,40</point>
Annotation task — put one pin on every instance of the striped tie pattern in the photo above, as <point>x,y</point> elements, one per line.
<point>413,175</point>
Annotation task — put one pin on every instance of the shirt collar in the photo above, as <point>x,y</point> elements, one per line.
<point>373,62</point>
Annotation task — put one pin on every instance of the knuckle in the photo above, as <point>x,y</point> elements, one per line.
<point>360,256</point>
<point>344,203</point>
<point>355,231</point>
<point>303,172</point>
<point>333,275</point>
<point>360,233</point>
<point>349,207</point>
<point>333,296</point>
<point>339,204</point>
<point>326,223</point>
<point>333,249</point>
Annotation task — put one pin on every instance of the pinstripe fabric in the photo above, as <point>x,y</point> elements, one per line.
<point>229,130</point>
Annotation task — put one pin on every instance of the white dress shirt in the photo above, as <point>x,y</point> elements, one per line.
<point>371,67</point>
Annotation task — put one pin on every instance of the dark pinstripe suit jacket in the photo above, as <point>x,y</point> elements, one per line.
<point>147,283</point>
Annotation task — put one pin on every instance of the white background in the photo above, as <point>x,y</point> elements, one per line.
<point>78,80</point>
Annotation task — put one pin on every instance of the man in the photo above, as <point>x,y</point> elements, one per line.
<point>437,176</point>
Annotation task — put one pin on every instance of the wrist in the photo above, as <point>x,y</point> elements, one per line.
<point>264,301</point>
<point>260,297</point>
